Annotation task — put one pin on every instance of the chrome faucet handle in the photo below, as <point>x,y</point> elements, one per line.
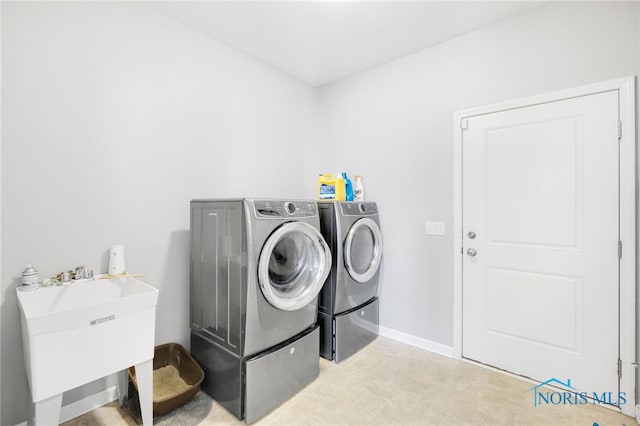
<point>79,273</point>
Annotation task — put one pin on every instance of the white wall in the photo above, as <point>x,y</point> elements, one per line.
<point>394,125</point>
<point>114,117</point>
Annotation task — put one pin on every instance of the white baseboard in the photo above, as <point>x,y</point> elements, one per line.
<point>419,342</point>
<point>84,405</point>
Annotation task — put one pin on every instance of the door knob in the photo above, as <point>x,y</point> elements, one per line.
<point>472,252</point>
<point>471,235</point>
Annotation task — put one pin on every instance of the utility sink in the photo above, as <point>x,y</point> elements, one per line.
<point>82,331</point>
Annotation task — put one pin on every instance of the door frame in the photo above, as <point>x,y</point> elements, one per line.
<point>627,221</point>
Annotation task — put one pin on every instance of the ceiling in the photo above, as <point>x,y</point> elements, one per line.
<point>322,41</point>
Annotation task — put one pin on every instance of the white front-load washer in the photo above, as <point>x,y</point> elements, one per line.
<point>257,267</point>
<point>348,303</point>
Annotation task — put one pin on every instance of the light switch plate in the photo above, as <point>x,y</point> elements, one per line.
<point>434,228</point>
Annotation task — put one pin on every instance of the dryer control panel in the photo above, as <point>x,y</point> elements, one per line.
<point>359,209</point>
<point>284,209</point>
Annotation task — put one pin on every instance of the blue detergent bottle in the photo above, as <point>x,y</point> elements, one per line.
<point>348,187</point>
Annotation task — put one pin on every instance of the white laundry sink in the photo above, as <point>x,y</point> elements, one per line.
<point>76,304</point>
<point>82,331</point>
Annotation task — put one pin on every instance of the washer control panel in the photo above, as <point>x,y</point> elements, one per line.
<point>359,208</point>
<point>284,209</point>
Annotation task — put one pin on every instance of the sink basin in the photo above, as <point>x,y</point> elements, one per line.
<point>82,331</point>
<point>76,304</point>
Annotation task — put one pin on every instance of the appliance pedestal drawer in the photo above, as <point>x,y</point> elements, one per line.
<point>355,329</point>
<point>272,377</point>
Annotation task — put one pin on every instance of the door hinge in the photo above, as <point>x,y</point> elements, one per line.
<point>619,129</point>
<point>619,368</point>
<point>619,249</point>
<point>464,124</point>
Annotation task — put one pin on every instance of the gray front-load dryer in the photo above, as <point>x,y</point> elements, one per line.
<point>257,267</point>
<point>348,304</point>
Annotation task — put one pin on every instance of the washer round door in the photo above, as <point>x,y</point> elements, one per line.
<point>363,250</point>
<point>294,264</point>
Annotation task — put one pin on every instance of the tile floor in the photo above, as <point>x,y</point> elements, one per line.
<point>390,383</point>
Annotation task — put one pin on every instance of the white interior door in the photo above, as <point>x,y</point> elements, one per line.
<point>540,240</point>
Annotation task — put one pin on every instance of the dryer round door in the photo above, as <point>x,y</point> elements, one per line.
<point>294,264</point>
<point>363,250</point>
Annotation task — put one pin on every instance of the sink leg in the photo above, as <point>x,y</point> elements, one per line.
<point>144,375</point>
<point>47,411</point>
<point>123,387</point>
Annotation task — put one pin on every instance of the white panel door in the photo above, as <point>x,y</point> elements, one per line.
<point>540,237</point>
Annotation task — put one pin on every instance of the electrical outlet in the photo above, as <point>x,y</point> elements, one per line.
<point>434,228</point>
